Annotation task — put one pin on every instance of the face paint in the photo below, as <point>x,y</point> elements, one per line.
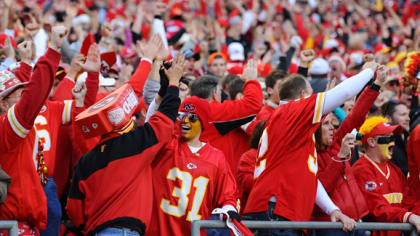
<point>190,126</point>
<point>385,145</point>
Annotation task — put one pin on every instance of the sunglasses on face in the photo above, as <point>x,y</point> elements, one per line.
<point>386,140</point>
<point>191,117</point>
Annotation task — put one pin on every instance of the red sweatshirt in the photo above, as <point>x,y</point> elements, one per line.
<point>413,153</point>
<point>232,114</point>
<point>245,174</point>
<point>26,200</point>
<point>337,177</point>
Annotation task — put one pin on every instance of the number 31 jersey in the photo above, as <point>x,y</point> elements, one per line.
<point>286,167</point>
<point>188,186</point>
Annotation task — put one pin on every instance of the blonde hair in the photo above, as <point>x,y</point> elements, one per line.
<point>370,123</point>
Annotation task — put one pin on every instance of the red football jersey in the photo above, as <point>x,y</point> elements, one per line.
<point>385,189</point>
<point>188,186</point>
<point>287,163</point>
<point>52,115</point>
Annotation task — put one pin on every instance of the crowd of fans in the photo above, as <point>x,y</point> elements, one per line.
<point>136,117</point>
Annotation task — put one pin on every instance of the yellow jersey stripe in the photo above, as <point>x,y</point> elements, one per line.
<point>318,108</point>
<point>67,112</point>
<point>14,123</point>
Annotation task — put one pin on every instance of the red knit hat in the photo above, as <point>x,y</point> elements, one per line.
<point>111,113</point>
<point>198,106</point>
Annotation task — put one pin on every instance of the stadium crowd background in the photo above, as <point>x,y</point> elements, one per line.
<point>237,67</point>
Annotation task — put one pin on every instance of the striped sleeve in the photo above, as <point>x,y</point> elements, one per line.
<point>17,127</point>
<point>66,113</point>
<point>319,106</point>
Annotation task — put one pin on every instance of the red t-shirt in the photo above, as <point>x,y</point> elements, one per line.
<point>188,186</point>
<point>287,163</point>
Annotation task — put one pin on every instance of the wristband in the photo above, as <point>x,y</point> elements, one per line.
<point>158,17</point>
<point>375,87</point>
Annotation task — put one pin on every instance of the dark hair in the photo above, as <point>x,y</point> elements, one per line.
<point>227,79</point>
<point>204,86</point>
<point>236,86</point>
<point>272,78</point>
<point>291,87</point>
<point>256,134</point>
<point>388,108</point>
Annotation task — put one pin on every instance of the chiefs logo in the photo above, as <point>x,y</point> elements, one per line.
<point>370,185</point>
<point>104,67</point>
<point>189,108</point>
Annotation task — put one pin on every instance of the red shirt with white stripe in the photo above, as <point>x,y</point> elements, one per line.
<point>286,167</point>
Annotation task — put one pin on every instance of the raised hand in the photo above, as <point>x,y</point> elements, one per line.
<point>79,93</point>
<point>306,56</point>
<point>381,75</point>
<point>151,48</point>
<point>93,60</point>
<point>347,144</point>
<point>159,8</point>
<point>58,35</point>
<point>370,65</point>
<point>251,70</point>
<point>174,73</point>
<point>368,57</point>
<point>25,51</point>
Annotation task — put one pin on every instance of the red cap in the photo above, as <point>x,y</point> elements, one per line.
<point>382,129</point>
<point>127,52</point>
<point>264,69</point>
<point>8,83</point>
<point>108,59</point>
<point>381,48</point>
<point>198,106</point>
<point>109,114</point>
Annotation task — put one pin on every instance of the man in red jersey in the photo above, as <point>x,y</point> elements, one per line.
<point>26,201</point>
<point>383,183</point>
<point>111,190</point>
<point>230,114</point>
<point>191,177</point>
<point>286,168</point>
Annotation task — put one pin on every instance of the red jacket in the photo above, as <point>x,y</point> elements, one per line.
<point>385,189</point>
<point>245,174</point>
<point>26,200</point>
<point>112,184</point>
<point>413,153</point>
<point>337,177</point>
<point>232,114</point>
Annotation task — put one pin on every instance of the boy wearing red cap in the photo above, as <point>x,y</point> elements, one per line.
<point>193,178</point>
<point>111,190</point>
<point>382,183</point>
<point>19,146</point>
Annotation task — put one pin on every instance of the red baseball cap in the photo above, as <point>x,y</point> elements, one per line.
<point>382,129</point>
<point>127,52</point>
<point>109,114</point>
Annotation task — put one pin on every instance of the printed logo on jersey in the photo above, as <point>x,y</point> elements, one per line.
<point>189,108</point>
<point>44,108</point>
<point>370,185</point>
<point>191,166</point>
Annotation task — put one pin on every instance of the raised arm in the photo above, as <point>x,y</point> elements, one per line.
<point>348,88</point>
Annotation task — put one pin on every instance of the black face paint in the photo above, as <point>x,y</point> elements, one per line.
<point>386,140</point>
